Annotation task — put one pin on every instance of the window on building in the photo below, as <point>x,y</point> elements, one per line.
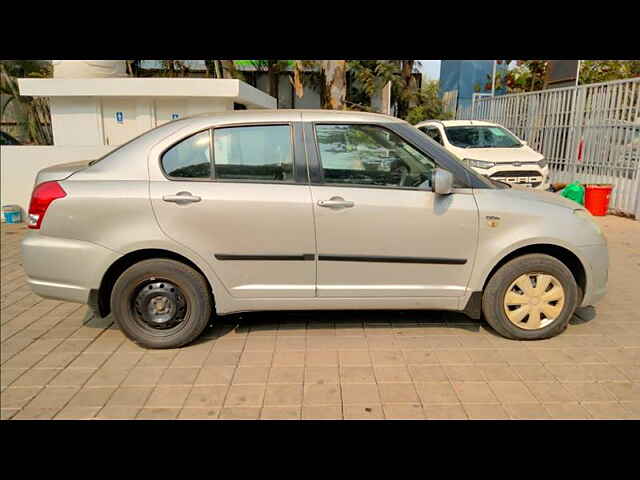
<point>371,155</point>
<point>262,153</point>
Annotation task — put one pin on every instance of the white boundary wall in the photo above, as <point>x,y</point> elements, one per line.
<point>92,116</point>
<point>19,165</point>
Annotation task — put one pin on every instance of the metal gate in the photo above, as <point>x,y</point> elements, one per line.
<point>589,133</point>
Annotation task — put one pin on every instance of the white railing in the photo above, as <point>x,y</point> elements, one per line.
<point>589,133</point>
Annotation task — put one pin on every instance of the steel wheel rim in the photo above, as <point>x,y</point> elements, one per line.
<point>534,300</point>
<point>159,305</point>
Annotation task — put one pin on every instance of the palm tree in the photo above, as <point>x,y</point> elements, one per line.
<point>372,75</point>
<point>31,113</point>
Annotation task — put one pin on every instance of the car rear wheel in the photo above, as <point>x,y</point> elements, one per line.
<point>530,298</point>
<point>161,303</point>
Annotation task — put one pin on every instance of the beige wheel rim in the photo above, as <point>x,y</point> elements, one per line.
<point>534,300</point>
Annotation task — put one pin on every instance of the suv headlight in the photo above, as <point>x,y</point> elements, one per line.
<point>479,163</point>
<point>542,163</point>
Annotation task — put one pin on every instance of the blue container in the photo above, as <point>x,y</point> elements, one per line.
<point>12,214</point>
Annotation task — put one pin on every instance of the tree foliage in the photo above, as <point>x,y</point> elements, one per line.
<point>529,75</point>
<point>429,105</point>
<point>412,103</point>
<point>596,71</point>
<point>526,76</point>
<point>371,76</point>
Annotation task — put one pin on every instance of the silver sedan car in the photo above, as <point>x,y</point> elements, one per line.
<point>294,210</point>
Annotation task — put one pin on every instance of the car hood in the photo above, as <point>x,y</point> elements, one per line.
<point>498,155</point>
<point>60,171</point>
<point>540,196</point>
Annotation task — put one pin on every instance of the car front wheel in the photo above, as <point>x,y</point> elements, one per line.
<point>161,303</point>
<point>530,298</point>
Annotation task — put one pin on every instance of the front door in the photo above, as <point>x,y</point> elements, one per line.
<point>381,231</point>
<point>248,212</point>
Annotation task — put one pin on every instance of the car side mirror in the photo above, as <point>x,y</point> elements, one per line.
<point>442,181</point>
<point>524,143</point>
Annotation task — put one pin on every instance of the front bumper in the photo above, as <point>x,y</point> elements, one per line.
<point>596,259</point>
<point>64,269</point>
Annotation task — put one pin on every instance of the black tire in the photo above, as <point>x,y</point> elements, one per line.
<point>194,291</point>
<point>494,293</point>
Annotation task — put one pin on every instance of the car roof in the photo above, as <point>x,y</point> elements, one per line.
<point>290,115</point>
<point>456,123</point>
<point>120,158</point>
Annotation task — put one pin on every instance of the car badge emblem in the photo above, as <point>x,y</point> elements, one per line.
<point>492,221</point>
<point>517,164</point>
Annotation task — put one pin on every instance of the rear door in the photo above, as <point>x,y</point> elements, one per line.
<point>239,197</point>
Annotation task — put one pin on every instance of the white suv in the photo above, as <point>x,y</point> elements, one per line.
<point>491,150</point>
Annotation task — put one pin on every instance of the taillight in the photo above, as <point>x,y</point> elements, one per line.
<point>41,198</point>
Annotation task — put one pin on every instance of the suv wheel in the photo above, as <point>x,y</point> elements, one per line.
<point>161,303</point>
<point>530,298</point>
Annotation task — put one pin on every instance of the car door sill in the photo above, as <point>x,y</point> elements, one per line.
<point>339,303</point>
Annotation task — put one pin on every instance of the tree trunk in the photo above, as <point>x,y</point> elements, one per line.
<point>211,67</point>
<point>403,101</point>
<point>169,68</point>
<point>217,65</point>
<point>297,79</point>
<point>228,69</point>
<point>335,84</point>
<point>272,74</point>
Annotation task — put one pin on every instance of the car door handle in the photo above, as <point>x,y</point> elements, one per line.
<point>336,202</point>
<point>181,198</point>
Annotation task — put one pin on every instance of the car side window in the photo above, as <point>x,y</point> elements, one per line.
<point>191,158</point>
<point>260,153</point>
<point>434,133</point>
<point>371,155</point>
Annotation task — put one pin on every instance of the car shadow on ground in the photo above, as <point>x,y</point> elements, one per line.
<point>299,322</point>
<point>292,321</point>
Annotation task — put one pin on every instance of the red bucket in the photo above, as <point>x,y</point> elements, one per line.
<point>596,199</point>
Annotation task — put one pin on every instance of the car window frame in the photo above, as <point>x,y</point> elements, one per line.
<point>316,172</point>
<point>298,155</point>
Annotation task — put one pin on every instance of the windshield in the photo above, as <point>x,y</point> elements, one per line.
<point>475,136</point>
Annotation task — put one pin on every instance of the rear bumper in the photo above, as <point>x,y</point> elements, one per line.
<point>64,269</point>
<point>597,265</point>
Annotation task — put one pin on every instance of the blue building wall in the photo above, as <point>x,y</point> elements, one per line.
<point>463,75</point>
